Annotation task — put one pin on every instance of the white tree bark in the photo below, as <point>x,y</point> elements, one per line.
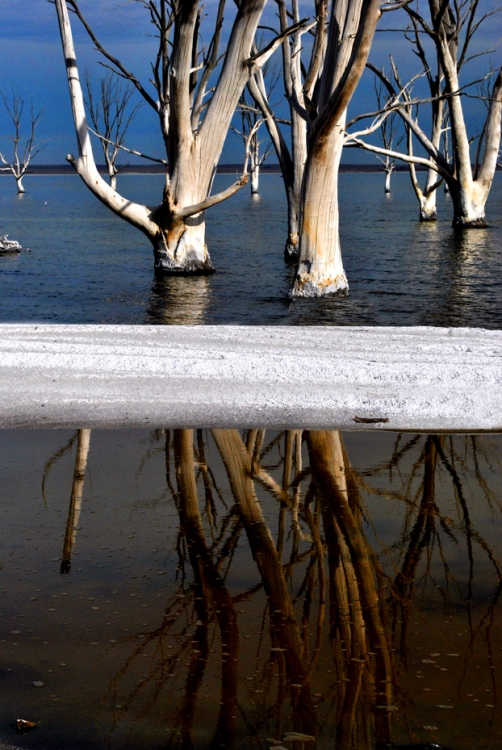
<point>469,190</point>
<point>427,197</point>
<point>388,174</point>
<point>292,160</point>
<point>351,30</point>
<point>22,152</point>
<point>176,227</point>
<point>320,268</point>
<point>469,194</point>
<point>255,179</point>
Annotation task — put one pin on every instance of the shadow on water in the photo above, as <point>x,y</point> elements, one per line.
<point>303,586</point>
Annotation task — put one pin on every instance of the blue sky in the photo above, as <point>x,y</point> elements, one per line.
<point>31,62</point>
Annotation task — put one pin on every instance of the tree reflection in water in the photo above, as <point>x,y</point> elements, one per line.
<point>334,613</point>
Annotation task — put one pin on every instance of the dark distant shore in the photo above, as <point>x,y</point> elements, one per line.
<point>62,169</point>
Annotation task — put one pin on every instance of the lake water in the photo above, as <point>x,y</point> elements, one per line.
<point>85,265</point>
<point>147,600</point>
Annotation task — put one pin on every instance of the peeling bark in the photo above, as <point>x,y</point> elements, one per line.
<point>320,268</point>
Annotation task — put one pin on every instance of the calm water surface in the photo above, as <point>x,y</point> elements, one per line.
<point>85,265</point>
<point>147,600</point>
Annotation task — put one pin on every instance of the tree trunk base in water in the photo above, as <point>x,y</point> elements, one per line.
<point>291,253</point>
<point>166,266</point>
<point>310,285</point>
<point>428,216</point>
<point>183,253</point>
<point>462,222</point>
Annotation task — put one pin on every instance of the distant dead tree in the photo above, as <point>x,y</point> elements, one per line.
<point>111,117</point>
<point>251,123</point>
<point>450,27</point>
<point>387,132</point>
<point>24,148</point>
<point>196,90</point>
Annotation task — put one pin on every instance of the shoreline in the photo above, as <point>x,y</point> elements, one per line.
<point>140,169</point>
<point>420,379</point>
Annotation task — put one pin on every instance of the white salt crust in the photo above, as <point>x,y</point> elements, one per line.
<point>430,379</point>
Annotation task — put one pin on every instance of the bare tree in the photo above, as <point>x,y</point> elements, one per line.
<point>435,80</point>
<point>251,123</point>
<point>451,27</point>
<point>318,92</point>
<point>111,117</point>
<point>387,132</point>
<point>194,120</point>
<point>292,159</point>
<point>350,34</point>
<point>24,149</point>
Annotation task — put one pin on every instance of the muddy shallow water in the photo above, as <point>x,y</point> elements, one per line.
<point>147,599</point>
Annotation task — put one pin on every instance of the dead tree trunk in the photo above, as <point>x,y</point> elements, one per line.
<point>194,125</point>
<point>23,150</point>
<point>320,269</point>
<point>451,28</point>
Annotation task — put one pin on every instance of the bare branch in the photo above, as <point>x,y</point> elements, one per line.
<point>261,57</point>
<point>128,150</point>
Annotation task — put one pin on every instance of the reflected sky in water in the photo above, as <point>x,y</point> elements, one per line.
<point>250,589</point>
<point>85,265</point>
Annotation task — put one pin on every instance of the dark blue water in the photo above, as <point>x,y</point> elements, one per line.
<point>87,266</point>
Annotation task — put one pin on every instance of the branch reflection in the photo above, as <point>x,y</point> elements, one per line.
<point>280,524</point>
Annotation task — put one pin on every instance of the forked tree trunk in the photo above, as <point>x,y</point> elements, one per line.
<point>428,210</point>
<point>176,228</point>
<point>320,268</point>
<point>351,30</point>
<point>427,197</point>
<point>180,247</point>
<point>469,192</point>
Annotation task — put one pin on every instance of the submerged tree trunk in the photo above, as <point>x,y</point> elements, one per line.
<point>428,210</point>
<point>299,156</point>
<point>255,165</point>
<point>20,186</point>
<point>320,268</point>
<point>180,247</point>
<point>351,29</point>
<point>388,173</point>
<point>194,142</point>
